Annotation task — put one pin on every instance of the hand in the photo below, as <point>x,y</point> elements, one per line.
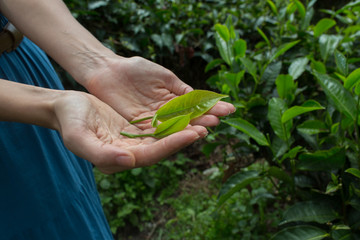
<point>91,129</point>
<point>136,88</point>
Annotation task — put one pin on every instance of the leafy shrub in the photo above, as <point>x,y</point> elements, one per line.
<point>291,69</point>
<point>130,198</point>
<point>297,97</point>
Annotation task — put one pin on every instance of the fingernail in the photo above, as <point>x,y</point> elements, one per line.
<point>125,160</point>
<point>204,134</point>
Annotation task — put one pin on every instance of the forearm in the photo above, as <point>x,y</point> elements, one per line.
<point>52,27</point>
<point>28,104</point>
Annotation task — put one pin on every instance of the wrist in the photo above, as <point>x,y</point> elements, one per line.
<point>87,62</point>
<point>28,104</point>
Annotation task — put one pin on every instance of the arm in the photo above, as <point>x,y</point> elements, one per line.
<point>90,128</point>
<point>52,27</point>
<point>134,87</point>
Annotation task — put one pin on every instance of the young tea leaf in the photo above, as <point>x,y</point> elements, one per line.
<point>223,31</point>
<point>323,25</point>
<point>308,106</point>
<point>352,79</point>
<point>273,7</point>
<point>263,35</point>
<point>172,125</point>
<point>196,102</point>
<point>240,47</point>
<point>353,171</point>
<point>300,7</point>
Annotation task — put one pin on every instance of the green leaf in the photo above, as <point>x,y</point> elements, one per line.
<point>323,25</point>
<point>311,127</point>
<point>308,106</point>
<point>342,99</point>
<point>273,7</point>
<point>196,102</point>
<point>233,80</point>
<point>300,7</point>
<point>276,108</point>
<point>263,35</point>
<point>318,66</point>
<point>323,160</point>
<point>328,44</point>
<point>240,47</point>
<point>283,49</point>
<point>310,212</point>
<point>223,31</point>
<point>297,67</point>
<point>223,47</point>
<point>300,233</point>
<point>357,89</point>
<point>291,154</point>
<point>341,232</point>
<point>353,171</point>
<point>279,174</point>
<point>157,39</point>
<point>235,183</point>
<point>248,129</point>
<point>352,79</point>
<point>250,67</point>
<point>172,125</point>
<point>285,86</point>
<point>269,76</point>
<point>341,63</point>
<point>213,64</point>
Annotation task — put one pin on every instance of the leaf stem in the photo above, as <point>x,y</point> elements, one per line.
<point>130,135</point>
<point>142,119</point>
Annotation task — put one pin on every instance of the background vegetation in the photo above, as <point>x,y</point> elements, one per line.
<point>286,164</point>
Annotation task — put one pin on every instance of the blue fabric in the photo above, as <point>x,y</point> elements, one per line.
<point>46,192</point>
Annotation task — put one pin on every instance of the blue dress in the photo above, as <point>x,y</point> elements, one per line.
<point>46,192</point>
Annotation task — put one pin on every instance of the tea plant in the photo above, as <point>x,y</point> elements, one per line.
<point>298,105</point>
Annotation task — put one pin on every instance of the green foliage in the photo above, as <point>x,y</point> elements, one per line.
<point>292,70</point>
<point>130,198</point>
<point>300,105</point>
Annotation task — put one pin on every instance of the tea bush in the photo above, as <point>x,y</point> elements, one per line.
<point>297,95</point>
<point>292,149</point>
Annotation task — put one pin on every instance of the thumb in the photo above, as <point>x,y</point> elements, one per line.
<point>106,157</point>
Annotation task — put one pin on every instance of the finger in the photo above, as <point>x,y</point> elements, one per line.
<point>106,157</point>
<point>222,109</point>
<point>176,86</point>
<point>152,153</point>
<point>206,121</point>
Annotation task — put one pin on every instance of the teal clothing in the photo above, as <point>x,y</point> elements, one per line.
<point>46,192</point>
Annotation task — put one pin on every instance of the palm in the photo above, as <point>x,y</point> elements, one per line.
<point>91,129</point>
